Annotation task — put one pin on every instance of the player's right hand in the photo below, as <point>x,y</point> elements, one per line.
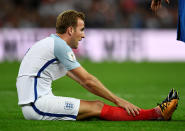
<point>130,108</point>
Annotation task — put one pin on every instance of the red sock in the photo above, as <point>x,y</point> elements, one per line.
<point>113,113</point>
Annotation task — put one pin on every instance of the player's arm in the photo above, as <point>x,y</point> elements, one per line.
<point>72,76</point>
<point>156,4</point>
<point>65,55</point>
<point>93,85</point>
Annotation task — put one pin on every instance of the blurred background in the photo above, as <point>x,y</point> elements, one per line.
<point>130,49</point>
<point>99,13</point>
<point>116,30</point>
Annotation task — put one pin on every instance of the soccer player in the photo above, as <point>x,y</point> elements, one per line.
<point>156,4</point>
<point>52,58</point>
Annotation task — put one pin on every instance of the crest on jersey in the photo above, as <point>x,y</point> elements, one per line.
<point>68,105</point>
<point>71,56</point>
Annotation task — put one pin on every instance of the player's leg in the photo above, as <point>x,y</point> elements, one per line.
<point>113,113</point>
<point>51,107</point>
<point>64,108</point>
<point>89,109</point>
<point>59,108</point>
<point>107,112</point>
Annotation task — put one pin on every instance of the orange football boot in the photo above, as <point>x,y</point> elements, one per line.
<point>169,105</point>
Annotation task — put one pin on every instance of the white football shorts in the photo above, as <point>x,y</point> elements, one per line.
<point>50,107</point>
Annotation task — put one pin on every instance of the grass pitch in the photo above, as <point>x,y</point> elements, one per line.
<point>143,84</point>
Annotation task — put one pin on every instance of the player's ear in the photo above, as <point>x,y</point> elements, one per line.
<point>70,30</point>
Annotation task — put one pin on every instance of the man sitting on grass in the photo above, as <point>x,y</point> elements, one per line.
<point>52,58</point>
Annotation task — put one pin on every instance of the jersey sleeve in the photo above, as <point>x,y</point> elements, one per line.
<point>65,55</point>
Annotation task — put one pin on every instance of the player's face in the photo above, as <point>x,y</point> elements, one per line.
<point>78,34</point>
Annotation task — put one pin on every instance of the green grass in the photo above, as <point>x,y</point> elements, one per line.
<point>143,84</point>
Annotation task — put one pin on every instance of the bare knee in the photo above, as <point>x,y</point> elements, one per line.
<point>98,105</point>
<point>90,109</point>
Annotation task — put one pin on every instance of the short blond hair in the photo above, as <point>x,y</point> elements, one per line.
<point>66,19</point>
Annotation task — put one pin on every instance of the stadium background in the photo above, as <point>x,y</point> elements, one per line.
<point>131,49</point>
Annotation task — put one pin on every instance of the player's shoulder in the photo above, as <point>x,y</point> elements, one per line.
<point>41,46</point>
<point>46,40</point>
<point>44,44</point>
<point>60,44</point>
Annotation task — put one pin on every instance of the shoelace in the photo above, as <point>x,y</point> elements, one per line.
<point>168,99</point>
<point>164,104</point>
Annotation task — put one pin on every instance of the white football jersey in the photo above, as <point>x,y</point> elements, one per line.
<point>47,60</point>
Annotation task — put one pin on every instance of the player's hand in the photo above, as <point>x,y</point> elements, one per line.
<point>130,108</point>
<point>156,4</point>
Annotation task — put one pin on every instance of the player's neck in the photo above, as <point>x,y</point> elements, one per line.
<point>64,37</point>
